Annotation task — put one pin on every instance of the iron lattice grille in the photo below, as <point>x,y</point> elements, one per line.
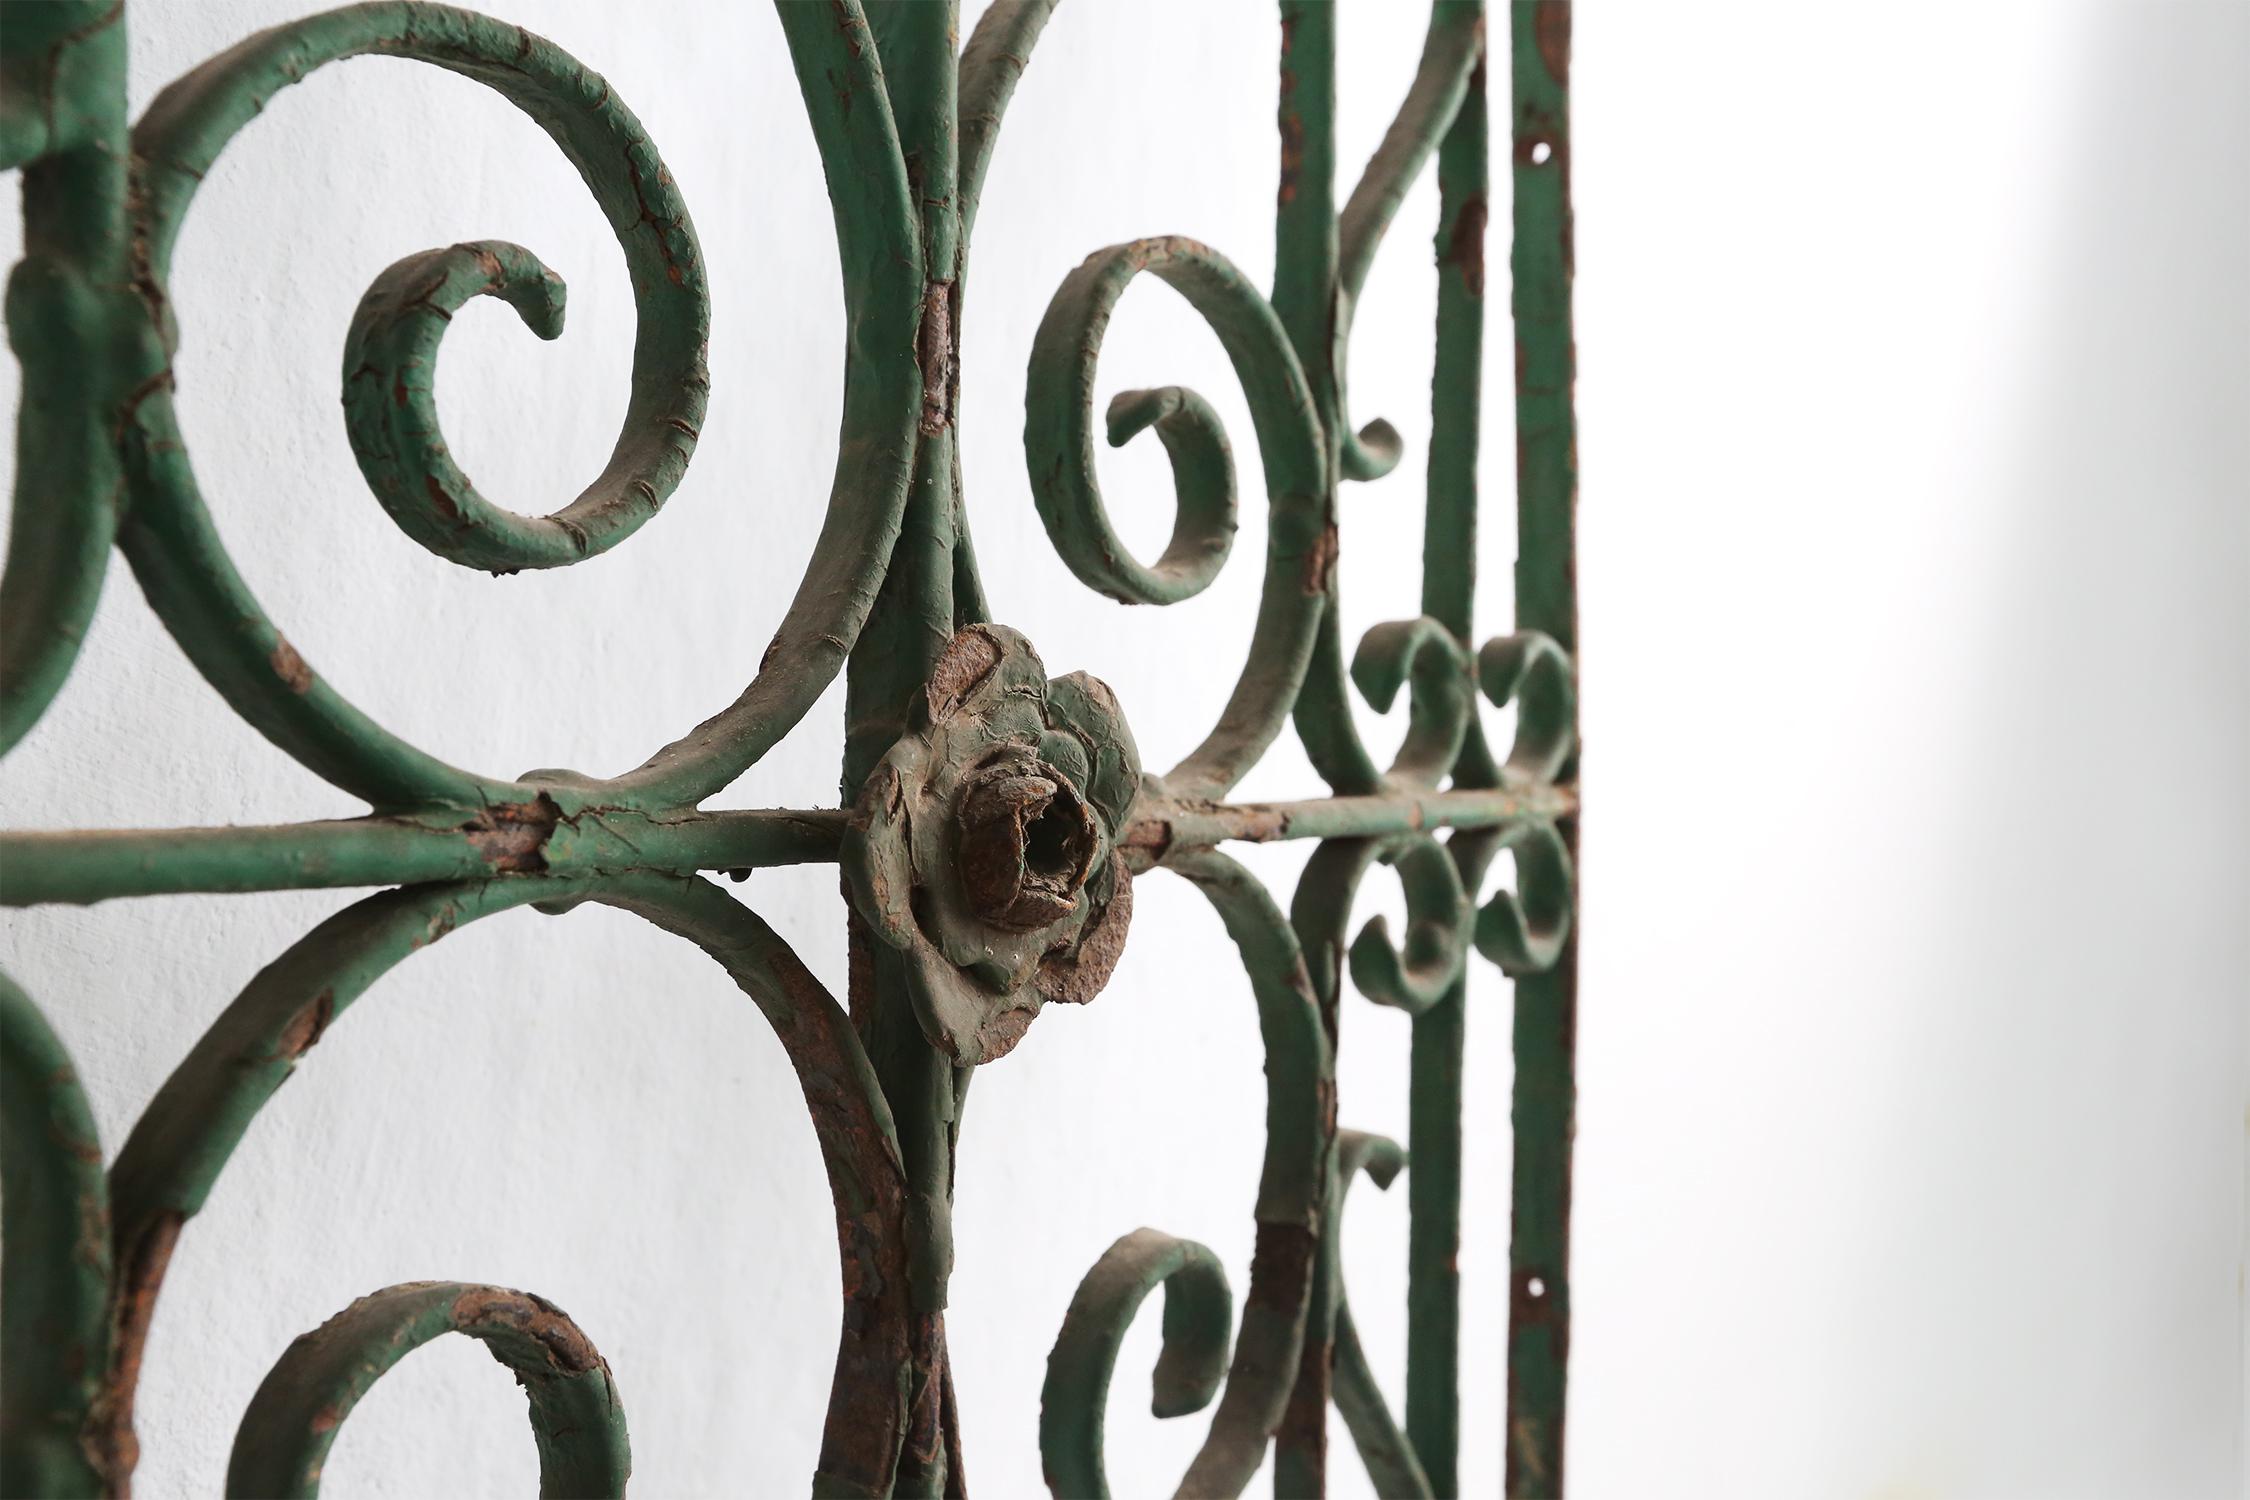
<point>993,819</point>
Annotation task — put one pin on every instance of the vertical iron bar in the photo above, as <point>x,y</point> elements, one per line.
<point>991,64</point>
<point>1449,547</point>
<point>55,1262</point>
<point>79,328</point>
<point>1546,1087</point>
<point>911,623</point>
<point>1433,1282</point>
<point>1304,297</point>
<point>1305,236</point>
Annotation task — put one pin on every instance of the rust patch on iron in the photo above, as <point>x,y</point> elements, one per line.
<point>1076,974</point>
<point>859,963</point>
<point>969,658</point>
<point>63,1078</point>
<point>1464,249</point>
<point>933,351</point>
<point>567,1349</point>
<point>91,1248</point>
<point>443,502</point>
<point>867,1405</point>
<point>846,25</point>
<point>999,1035</point>
<point>306,1028</point>
<point>1320,561</point>
<point>1304,1422</point>
<point>949,1418</point>
<point>1026,846</point>
<point>110,1440</point>
<point>1148,833</point>
<point>673,271</point>
<point>443,922</point>
<point>1254,821</point>
<point>129,412</point>
<point>512,836</point>
<point>925,1427</point>
<point>290,667</point>
<point>1281,1266</point>
<point>1550,32</point>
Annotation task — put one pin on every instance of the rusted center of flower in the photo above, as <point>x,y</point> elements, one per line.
<point>1027,844</point>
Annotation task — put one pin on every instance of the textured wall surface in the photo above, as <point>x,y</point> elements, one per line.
<point>1915,1040</point>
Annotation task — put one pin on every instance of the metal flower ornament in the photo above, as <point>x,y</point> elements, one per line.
<point>992,819</point>
<point>984,846</point>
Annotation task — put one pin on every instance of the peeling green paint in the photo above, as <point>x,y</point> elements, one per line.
<point>303,1403</point>
<point>992,819</point>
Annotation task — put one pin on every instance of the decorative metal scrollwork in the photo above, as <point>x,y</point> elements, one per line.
<point>994,819</point>
<point>298,1410</point>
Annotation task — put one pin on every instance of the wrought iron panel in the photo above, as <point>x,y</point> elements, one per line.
<point>994,819</point>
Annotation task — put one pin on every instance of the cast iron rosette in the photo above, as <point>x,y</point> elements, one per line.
<point>983,847</point>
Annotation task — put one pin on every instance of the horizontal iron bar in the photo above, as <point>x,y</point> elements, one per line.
<point>1159,829</point>
<point>521,839</point>
<point>539,839</point>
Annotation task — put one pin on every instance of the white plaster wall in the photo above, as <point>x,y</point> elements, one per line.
<point>1915,354</point>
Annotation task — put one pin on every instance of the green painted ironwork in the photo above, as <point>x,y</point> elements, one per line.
<point>992,821</point>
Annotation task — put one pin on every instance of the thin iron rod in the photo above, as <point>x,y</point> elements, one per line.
<point>1198,825</point>
<point>1440,1042</point>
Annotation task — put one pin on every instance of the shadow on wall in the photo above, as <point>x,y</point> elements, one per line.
<point>2080,1126</point>
<point>1915,1042</point>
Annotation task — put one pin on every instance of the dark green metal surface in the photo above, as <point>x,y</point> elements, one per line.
<point>992,820</point>
<point>1546,967</point>
<point>301,1406</point>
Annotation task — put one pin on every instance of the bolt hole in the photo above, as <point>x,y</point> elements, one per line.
<point>1540,153</point>
<point>1536,1287</point>
<point>1049,841</point>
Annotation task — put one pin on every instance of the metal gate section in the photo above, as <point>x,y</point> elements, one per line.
<point>995,816</point>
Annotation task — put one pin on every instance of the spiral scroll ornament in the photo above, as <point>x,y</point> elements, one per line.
<point>168,534</point>
<point>1059,447</point>
<point>297,1412</point>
